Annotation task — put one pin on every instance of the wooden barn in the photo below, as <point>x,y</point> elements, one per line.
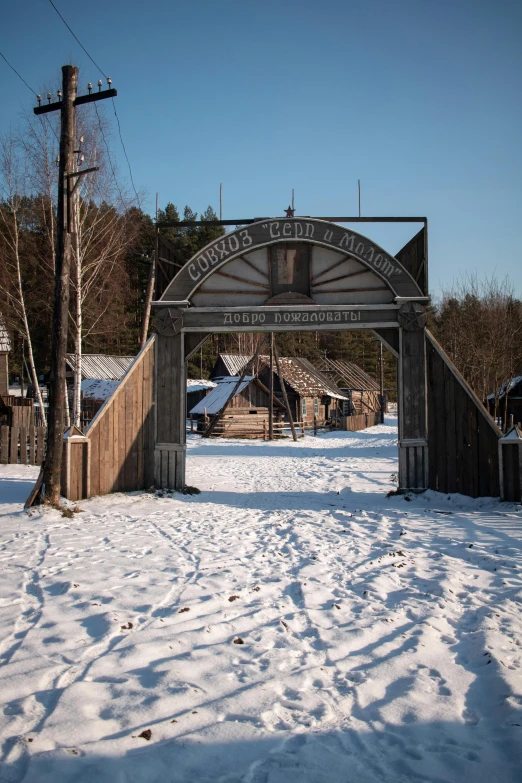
<point>197,389</point>
<point>509,403</point>
<point>100,377</point>
<point>362,391</point>
<point>229,364</point>
<point>245,408</point>
<point>311,395</point>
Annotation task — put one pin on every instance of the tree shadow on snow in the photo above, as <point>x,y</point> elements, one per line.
<point>434,752</point>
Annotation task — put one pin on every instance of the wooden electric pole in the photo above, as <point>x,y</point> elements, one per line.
<point>68,180</point>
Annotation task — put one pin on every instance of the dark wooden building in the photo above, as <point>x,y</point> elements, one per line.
<point>509,403</point>
<point>361,389</point>
<point>311,395</point>
<point>245,408</point>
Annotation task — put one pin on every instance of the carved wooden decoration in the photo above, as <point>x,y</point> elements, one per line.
<point>412,316</point>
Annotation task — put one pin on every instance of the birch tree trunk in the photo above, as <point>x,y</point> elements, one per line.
<point>23,313</point>
<point>77,394</point>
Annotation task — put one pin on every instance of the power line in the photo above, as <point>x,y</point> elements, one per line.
<point>78,40</point>
<point>108,153</point>
<point>30,90</point>
<point>15,71</point>
<point>125,153</point>
<point>113,104</point>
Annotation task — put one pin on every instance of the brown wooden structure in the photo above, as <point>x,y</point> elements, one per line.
<point>509,408</point>
<point>312,396</point>
<point>362,391</point>
<point>299,274</point>
<point>242,409</point>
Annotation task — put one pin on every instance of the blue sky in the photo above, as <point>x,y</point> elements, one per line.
<point>420,100</point>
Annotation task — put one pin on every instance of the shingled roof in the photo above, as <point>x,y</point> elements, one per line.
<point>97,365</point>
<point>348,375</point>
<point>304,378</point>
<point>234,362</point>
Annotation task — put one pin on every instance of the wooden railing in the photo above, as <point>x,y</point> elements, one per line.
<point>22,445</point>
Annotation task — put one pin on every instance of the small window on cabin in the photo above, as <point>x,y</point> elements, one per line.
<point>316,407</point>
<point>303,407</point>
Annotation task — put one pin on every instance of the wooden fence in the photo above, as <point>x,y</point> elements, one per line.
<point>24,445</point>
<point>360,422</point>
<point>116,453</point>
<point>462,436</point>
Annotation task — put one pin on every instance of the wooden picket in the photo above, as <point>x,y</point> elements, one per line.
<point>22,445</point>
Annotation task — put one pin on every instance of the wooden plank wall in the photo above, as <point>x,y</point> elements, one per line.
<point>121,436</point>
<point>463,438</point>
<point>413,258</point>
<point>360,421</point>
<point>24,445</point>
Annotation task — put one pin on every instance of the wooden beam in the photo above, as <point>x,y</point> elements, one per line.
<point>285,396</point>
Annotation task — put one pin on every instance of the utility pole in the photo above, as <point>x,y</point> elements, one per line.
<point>381,382</point>
<point>68,181</point>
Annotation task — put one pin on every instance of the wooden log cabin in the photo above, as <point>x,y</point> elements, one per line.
<point>245,413</point>
<point>311,395</point>
<point>362,391</point>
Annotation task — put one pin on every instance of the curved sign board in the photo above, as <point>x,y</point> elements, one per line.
<point>292,232</point>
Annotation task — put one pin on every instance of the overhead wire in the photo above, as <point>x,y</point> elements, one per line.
<point>108,153</point>
<point>30,90</point>
<point>15,71</point>
<point>113,104</point>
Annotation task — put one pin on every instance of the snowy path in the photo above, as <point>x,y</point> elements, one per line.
<point>381,636</point>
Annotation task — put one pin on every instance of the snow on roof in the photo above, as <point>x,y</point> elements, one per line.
<point>304,378</point>
<point>220,395</point>
<point>5,340</point>
<point>97,365</point>
<point>199,384</point>
<point>98,388</point>
<point>348,375</point>
<point>502,391</point>
<point>298,373</point>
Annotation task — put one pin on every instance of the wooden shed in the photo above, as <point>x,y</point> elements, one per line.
<point>197,389</point>
<point>245,408</point>
<point>362,391</point>
<point>311,395</point>
<point>509,403</point>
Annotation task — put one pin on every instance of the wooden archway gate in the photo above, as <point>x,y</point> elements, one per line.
<point>296,274</point>
<point>281,275</point>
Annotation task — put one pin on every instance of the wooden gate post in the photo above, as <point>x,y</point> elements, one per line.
<point>510,463</point>
<point>413,432</point>
<point>171,394</point>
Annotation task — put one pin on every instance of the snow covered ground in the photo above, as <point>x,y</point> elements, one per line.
<point>290,623</point>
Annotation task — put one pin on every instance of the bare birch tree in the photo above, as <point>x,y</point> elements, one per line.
<point>13,176</point>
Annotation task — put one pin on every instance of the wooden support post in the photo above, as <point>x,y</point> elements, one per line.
<point>271,390</point>
<point>413,443</point>
<point>171,396</point>
<point>315,424</point>
<point>283,388</point>
<point>148,299</point>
